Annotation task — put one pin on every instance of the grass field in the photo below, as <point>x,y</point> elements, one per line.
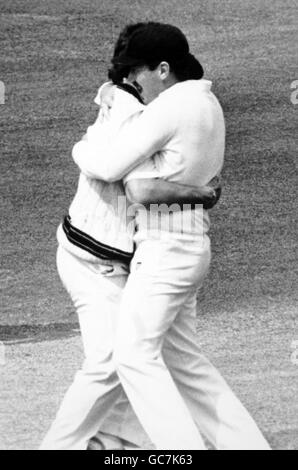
<point>53,56</point>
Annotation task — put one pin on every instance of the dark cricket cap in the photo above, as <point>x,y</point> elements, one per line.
<point>154,42</point>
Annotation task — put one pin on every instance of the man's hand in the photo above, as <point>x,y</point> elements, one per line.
<point>106,99</point>
<point>209,195</point>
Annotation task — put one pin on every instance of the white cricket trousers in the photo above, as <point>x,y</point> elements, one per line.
<point>155,334</point>
<point>173,389</point>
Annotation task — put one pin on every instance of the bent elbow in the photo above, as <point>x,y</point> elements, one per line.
<point>76,152</point>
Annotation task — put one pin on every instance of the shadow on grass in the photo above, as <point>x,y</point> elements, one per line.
<point>18,334</point>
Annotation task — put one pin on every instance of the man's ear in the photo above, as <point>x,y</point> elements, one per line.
<point>164,70</point>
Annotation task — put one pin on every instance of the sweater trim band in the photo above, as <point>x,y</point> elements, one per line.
<point>96,248</point>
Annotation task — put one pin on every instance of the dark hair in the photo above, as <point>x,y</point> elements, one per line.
<point>186,69</point>
<point>151,43</point>
<point>117,72</point>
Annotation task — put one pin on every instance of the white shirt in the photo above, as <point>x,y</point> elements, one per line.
<point>183,130</point>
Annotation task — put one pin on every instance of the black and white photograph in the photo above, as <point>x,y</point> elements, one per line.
<point>149,252</point>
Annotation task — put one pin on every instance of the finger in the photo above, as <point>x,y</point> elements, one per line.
<point>210,192</point>
<point>105,111</point>
<point>216,182</point>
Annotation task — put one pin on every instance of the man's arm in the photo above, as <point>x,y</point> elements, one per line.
<point>139,138</point>
<point>159,191</point>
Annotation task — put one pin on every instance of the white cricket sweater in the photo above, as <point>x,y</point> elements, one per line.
<point>184,130</point>
<point>96,209</point>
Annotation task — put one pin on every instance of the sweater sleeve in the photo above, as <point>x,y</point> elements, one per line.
<point>140,137</point>
<point>97,99</point>
<point>146,170</point>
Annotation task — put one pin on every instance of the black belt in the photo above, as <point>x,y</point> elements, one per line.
<point>96,248</point>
